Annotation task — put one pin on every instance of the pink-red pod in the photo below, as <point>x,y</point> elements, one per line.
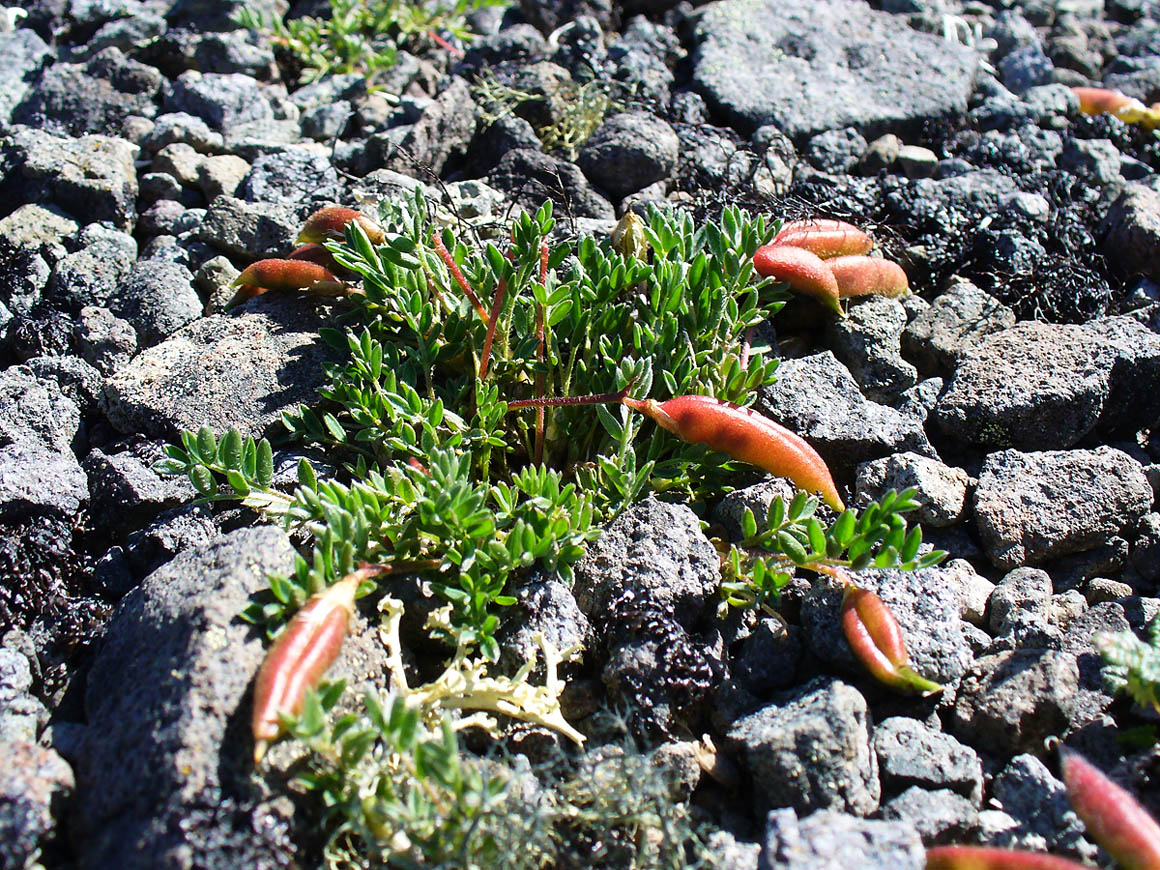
<point>987,858</point>
<point>287,275</point>
<point>859,275</point>
<point>330,223</point>
<point>1093,101</point>
<point>804,272</point>
<point>743,434</point>
<point>825,237</point>
<point>300,656</point>
<point>876,640</point>
<point>1112,816</point>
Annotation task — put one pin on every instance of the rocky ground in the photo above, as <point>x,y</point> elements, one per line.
<point>151,149</point>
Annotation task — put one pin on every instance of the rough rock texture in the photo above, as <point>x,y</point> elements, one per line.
<point>1133,229</point>
<point>1036,386</point>
<point>653,552</point>
<point>1012,701</point>
<point>828,839</point>
<point>810,750</point>
<point>194,377</point>
<point>1032,507</point>
<point>960,317</point>
<point>756,59</point>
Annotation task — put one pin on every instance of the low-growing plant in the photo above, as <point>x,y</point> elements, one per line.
<point>440,478</point>
<point>1131,665</point>
<point>362,36</point>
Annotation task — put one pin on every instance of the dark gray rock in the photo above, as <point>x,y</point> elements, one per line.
<point>942,490</point>
<point>295,175</point>
<point>926,607</point>
<point>656,670</point>
<point>21,714</point>
<point>157,298</point>
<point>1011,701</point>
<point>959,318</point>
<point>35,783</point>
<point>1097,162</point>
<point>1133,401</point>
<point>1025,68</point>
<point>181,128</point>
<point>35,409</point>
<point>105,341</point>
<point>222,100</point>
<point>162,771</point>
<point>35,479</point>
<point>161,218</point>
<point>441,133</point>
<point>1132,229</point>
<point>913,754</point>
<point>24,275</point>
<point>24,55</point>
<point>93,176</point>
<point>768,658</point>
<point>1021,606</point>
<point>90,276</point>
<point>628,152</point>
<point>194,377</point>
<point>75,378</point>
<point>1035,386</point>
<point>125,491</point>
<point>940,816</point>
<point>643,55</point>
<point>836,151</point>
<point>827,839</point>
<point>1038,802</point>
<point>867,342</point>
<point>1032,507</point>
<point>532,177</point>
<point>250,230</point>
<point>654,552</point>
<point>810,750</point>
<point>729,853</point>
<point>174,531</point>
<point>94,97</point>
<point>755,59</point>
<point>817,398</point>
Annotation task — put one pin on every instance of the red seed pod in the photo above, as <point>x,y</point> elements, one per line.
<point>300,656</point>
<point>824,237</point>
<point>313,253</point>
<point>746,435</point>
<point>288,275</point>
<point>1093,101</point>
<point>859,275</point>
<point>1113,817</point>
<point>330,223</point>
<point>804,272</point>
<point>876,640</point>
<point>987,858</point>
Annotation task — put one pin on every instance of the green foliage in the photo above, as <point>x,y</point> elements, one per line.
<point>362,36</point>
<point>1132,665</point>
<point>757,567</point>
<point>440,478</point>
<point>398,792</point>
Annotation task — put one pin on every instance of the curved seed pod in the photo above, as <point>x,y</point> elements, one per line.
<point>1113,817</point>
<point>313,253</point>
<point>859,275</point>
<point>876,640</point>
<point>330,223</point>
<point>300,656</point>
<point>746,435</point>
<point>825,237</point>
<point>287,275</point>
<point>987,858</point>
<point>804,272</point>
<point>1093,101</point>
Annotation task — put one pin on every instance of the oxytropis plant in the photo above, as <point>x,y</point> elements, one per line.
<point>495,405</point>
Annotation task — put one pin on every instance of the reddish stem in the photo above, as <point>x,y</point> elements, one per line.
<point>492,322</point>
<point>453,268</point>
<point>444,44</point>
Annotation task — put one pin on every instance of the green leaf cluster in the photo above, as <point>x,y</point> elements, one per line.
<point>361,36</point>
<point>791,536</point>
<point>1131,665</point>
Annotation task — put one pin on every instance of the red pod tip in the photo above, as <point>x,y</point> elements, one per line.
<point>989,858</point>
<point>1113,817</point>
<point>330,223</point>
<point>825,237</point>
<point>876,641</point>
<point>859,275</point>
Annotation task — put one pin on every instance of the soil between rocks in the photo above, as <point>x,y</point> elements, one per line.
<point>151,149</point>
